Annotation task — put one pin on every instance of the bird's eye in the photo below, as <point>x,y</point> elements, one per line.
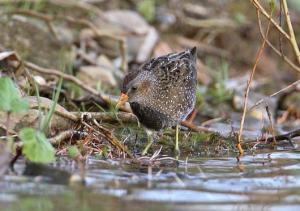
<point>134,88</point>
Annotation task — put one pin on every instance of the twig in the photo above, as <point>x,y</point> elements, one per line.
<point>272,125</point>
<point>274,94</point>
<point>107,99</point>
<point>107,134</point>
<point>68,77</point>
<point>290,37</point>
<point>280,24</point>
<point>68,134</point>
<point>258,56</point>
<point>195,128</point>
<point>109,116</point>
<point>66,115</point>
<point>47,19</point>
<point>286,136</point>
<point>211,121</point>
<point>263,11</point>
<point>112,138</point>
<point>288,61</point>
<point>291,31</point>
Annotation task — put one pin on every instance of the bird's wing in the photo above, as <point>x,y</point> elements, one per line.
<point>175,69</point>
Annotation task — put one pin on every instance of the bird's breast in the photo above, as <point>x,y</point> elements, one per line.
<point>150,117</point>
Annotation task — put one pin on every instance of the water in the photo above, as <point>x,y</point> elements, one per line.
<point>265,181</point>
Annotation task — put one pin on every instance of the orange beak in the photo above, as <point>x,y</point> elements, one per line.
<point>122,100</point>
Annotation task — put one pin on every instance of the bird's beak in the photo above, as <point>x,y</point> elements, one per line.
<point>122,100</point>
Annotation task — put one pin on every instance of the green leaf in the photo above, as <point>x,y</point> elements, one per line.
<point>10,101</point>
<point>36,147</point>
<point>73,151</point>
<point>47,121</point>
<point>147,9</point>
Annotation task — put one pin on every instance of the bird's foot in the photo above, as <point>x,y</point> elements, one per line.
<point>147,148</point>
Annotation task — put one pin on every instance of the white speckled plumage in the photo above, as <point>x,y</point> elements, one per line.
<point>162,92</point>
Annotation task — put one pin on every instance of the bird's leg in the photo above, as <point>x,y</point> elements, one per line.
<point>153,137</point>
<point>177,151</point>
<point>150,141</point>
<point>190,118</point>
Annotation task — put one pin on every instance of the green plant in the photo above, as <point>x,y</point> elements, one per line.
<point>36,147</point>
<point>218,92</point>
<point>147,9</point>
<point>10,100</point>
<point>47,121</point>
<point>73,151</point>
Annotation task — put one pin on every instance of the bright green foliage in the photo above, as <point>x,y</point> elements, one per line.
<point>218,92</point>
<point>10,100</point>
<point>272,4</point>
<point>47,121</point>
<point>36,147</point>
<point>73,151</point>
<point>147,9</point>
<point>240,18</point>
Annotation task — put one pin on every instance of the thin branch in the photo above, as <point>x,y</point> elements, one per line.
<point>290,37</point>
<point>280,24</point>
<point>258,56</point>
<point>109,136</point>
<point>274,94</point>
<point>272,125</point>
<point>289,62</point>
<point>68,134</point>
<point>287,136</point>
<point>279,53</point>
<point>264,12</point>
<point>123,117</point>
<point>68,77</point>
<point>291,31</point>
<point>195,128</point>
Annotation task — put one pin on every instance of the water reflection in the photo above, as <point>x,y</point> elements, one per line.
<point>263,181</point>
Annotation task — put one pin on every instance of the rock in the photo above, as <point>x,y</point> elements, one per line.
<point>140,37</point>
<point>33,39</point>
<point>40,80</point>
<point>93,75</point>
<point>128,20</point>
<point>146,49</point>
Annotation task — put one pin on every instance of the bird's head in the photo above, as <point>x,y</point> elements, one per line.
<point>137,87</point>
<point>143,85</point>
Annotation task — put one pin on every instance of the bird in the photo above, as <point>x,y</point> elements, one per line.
<point>162,91</point>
